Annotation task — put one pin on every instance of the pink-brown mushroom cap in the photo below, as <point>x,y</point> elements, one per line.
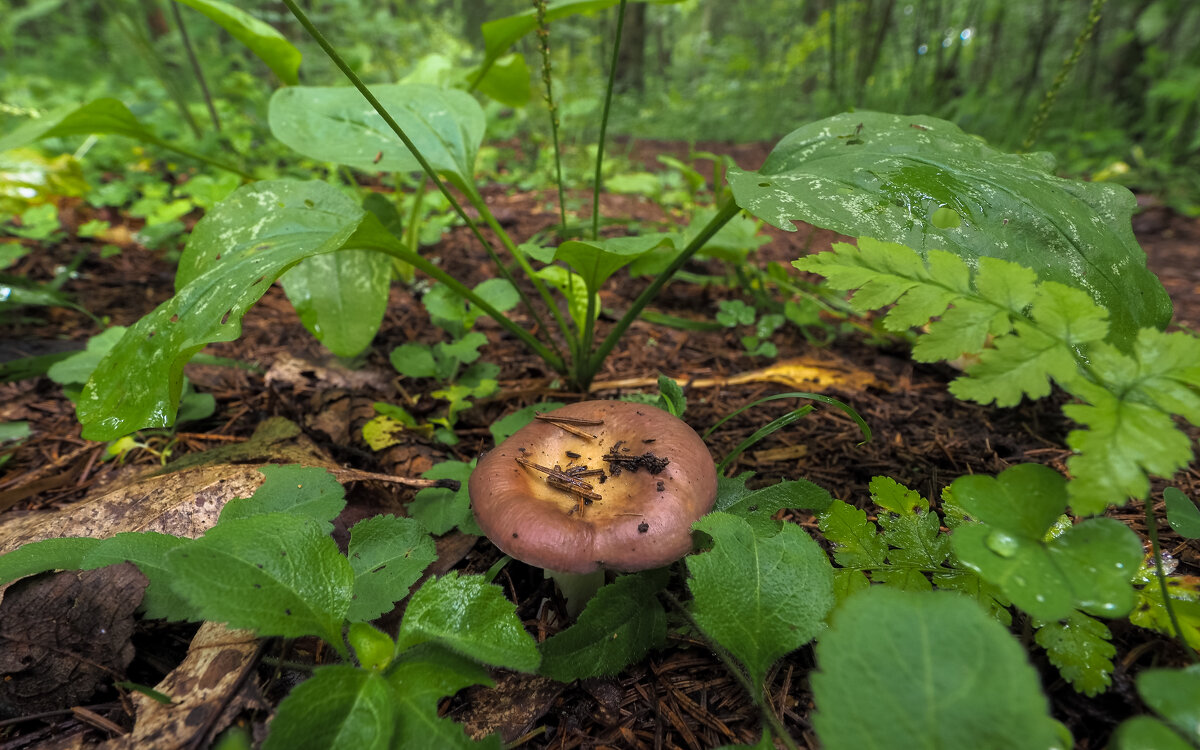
<point>642,521</point>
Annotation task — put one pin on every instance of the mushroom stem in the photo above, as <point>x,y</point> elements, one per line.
<point>577,588</point>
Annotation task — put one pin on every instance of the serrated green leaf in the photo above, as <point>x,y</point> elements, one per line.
<point>468,615</point>
<point>387,555</point>
<point>622,622</point>
<point>305,491</point>
<point>341,297</point>
<point>336,124</point>
<point>338,707</point>
<point>1016,366</point>
<point>66,553</point>
<point>847,581</point>
<point>148,550</point>
<point>964,329</point>
<point>1182,513</point>
<point>760,598</point>
<point>916,540</point>
<point>420,678</point>
<point>856,541</point>
<point>231,258</point>
<point>1123,442</point>
<point>759,506</point>
<point>731,490</point>
<point>885,176</point>
<point>889,494</point>
<point>277,574</point>
<point>939,673</point>
<point>440,509</point>
<point>1079,646</point>
<point>1069,314</point>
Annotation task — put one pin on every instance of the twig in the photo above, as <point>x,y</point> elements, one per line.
<point>560,479</point>
<point>354,475</point>
<point>567,423</point>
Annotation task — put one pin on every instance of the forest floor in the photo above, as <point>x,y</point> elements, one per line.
<point>681,697</point>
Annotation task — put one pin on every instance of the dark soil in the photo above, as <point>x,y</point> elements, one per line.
<point>680,697</point>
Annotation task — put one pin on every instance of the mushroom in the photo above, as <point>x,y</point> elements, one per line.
<point>592,486</point>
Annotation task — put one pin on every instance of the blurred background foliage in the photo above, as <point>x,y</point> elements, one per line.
<point>696,70</point>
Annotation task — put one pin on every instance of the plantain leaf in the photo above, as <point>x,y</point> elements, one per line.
<point>336,124</point>
<point>266,43</point>
<point>104,116</point>
<point>246,242</point>
<point>341,298</point>
<point>924,183</point>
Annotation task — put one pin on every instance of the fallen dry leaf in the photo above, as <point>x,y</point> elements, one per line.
<point>801,373</point>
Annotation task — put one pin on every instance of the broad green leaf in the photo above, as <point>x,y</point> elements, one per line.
<point>1147,733</point>
<point>336,124</point>
<point>504,427</point>
<point>338,707</point>
<point>885,176</point>
<point>441,509</point>
<point>100,117</point>
<point>277,574</point>
<point>456,315</point>
<point>936,671</point>
<point>506,81</point>
<point>78,367</point>
<point>303,491</point>
<point>571,286</point>
<point>420,678</point>
<point>856,543</point>
<point>1182,513</point>
<point>341,298</point>
<point>1174,694</point>
<point>596,260</point>
<point>66,553</point>
<point>1079,646</point>
<point>266,43</point>
<point>622,622</point>
<point>760,598</point>
<point>464,350</point>
<point>388,555</point>
<point>468,615</point>
<point>414,360</point>
<point>234,254</point>
<point>148,550</point>
<point>373,648</point>
<point>1087,567</point>
<point>758,506</point>
<point>670,396</point>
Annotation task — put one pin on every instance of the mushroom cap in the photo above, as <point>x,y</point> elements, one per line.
<point>642,520</point>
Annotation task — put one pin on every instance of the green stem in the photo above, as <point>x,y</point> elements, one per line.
<point>756,693</point>
<point>195,63</point>
<point>470,192</point>
<point>543,34</point>
<point>1039,119</point>
<point>202,158</point>
<point>536,280</point>
<point>584,374</point>
<point>612,76</point>
<point>1152,532</point>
